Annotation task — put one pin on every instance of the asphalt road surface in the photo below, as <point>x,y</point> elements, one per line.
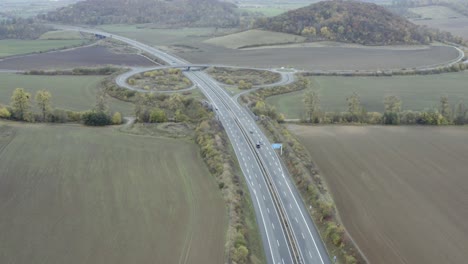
<point>288,233</point>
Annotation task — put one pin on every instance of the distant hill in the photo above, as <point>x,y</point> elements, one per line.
<point>164,12</point>
<point>18,28</point>
<point>348,21</point>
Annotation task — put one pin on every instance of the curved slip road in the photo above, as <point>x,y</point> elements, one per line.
<point>288,233</point>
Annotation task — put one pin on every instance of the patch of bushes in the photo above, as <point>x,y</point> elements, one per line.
<point>244,78</point>
<point>108,70</point>
<point>94,118</point>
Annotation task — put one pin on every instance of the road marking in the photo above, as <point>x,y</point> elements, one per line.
<point>296,219</point>
<point>277,242</point>
<point>273,225</point>
<point>303,237</point>
<point>268,210</point>
<point>263,197</point>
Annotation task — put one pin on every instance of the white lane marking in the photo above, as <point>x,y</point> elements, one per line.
<point>308,229</point>
<point>277,242</point>
<point>263,197</point>
<point>273,225</point>
<point>290,206</point>
<point>264,225</point>
<point>303,237</point>
<point>268,210</point>
<point>296,219</point>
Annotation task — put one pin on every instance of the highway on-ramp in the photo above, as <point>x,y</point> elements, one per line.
<point>288,233</point>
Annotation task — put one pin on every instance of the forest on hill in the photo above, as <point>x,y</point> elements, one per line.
<point>352,21</point>
<point>18,28</point>
<point>170,13</point>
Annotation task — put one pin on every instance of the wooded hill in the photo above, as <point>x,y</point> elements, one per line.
<point>18,28</point>
<point>350,21</point>
<point>162,12</point>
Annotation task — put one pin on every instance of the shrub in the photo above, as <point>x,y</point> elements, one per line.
<point>117,118</point>
<point>158,116</point>
<point>58,116</point>
<point>74,116</point>
<point>94,118</point>
<point>4,113</point>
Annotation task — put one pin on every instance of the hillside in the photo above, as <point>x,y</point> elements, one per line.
<point>161,12</point>
<point>348,21</point>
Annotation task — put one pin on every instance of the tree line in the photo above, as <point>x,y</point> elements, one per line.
<point>22,104</point>
<point>445,114</point>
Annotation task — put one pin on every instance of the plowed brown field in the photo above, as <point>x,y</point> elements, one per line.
<point>402,192</point>
<point>80,57</point>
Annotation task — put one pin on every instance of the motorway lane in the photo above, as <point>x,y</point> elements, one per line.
<point>311,248</point>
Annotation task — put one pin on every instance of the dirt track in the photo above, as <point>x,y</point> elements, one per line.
<point>402,192</point>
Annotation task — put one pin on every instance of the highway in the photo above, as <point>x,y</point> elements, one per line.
<point>288,233</point>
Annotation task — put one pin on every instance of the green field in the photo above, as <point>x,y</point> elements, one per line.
<point>161,37</point>
<point>9,47</point>
<point>435,12</point>
<point>416,92</point>
<point>74,194</point>
<point>77,93</point>
<point>61,35</point>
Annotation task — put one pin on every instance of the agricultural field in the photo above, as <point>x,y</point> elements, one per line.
<point>61,35</point>
<point>442,18</point>
<point>254,38</point>
<point>323,58</point>
<point>233,76</point>
<point>77,93</point>
<point>10,47</point>
<point>74,194</point>
<point>416,92</point>
<point>163,37</point>
<point>91,56</point>
<point>161,80</point>
<point>401,192</point>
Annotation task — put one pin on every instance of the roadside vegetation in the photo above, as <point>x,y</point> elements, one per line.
<point>243,78</point>
<point>160,80</point>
